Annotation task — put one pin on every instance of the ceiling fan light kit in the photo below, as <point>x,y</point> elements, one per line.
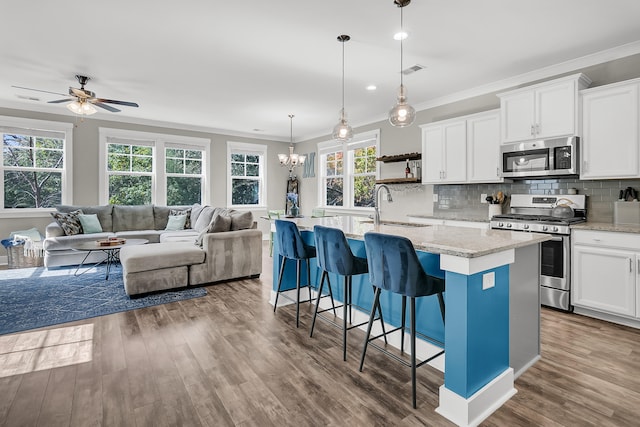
<point>342,131</point>
<point>82,108</point>
<point>402,114</point>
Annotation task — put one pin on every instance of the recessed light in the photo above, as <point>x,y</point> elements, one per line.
<point>372,87</point>
<point>400,36</point>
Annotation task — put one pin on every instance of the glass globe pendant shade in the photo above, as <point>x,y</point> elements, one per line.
<point>81,108</point>
<point>342,131</point>
<point>402,114</point>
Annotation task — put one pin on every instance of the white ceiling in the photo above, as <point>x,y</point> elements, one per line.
<point>237,66</point>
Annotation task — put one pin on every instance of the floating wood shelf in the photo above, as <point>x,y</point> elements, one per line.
<point>398,181</point>
<point>399,157</point>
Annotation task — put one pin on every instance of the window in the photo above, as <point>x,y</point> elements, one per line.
<point>144,168</point>
<point>348,172</point>
<point>36,163</point>
<point>246,168</point>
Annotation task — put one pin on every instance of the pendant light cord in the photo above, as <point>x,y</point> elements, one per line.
<point>401,39</point>
<point>342,112</point>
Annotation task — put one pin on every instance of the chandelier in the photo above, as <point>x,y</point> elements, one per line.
<point>292,159</point>
<point>402,114</point>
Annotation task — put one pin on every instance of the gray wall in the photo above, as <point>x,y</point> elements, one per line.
<point>419,199</point>
<point>85,165</point>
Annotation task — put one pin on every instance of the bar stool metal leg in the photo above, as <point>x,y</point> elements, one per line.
<point>284,262</point>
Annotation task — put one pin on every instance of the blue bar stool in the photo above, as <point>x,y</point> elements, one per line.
<point>335,256</point>
<point>292,247</point>
<point>394,266</point>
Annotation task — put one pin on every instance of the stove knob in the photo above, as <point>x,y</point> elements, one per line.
<point>526,226</point>
<point>501,224</point>
<point>509,225</point>
<point>545,228</point>
<point>555,228</point>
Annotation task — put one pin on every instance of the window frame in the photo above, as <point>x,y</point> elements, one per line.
<point>360,140</point>
<point>34,127</point>
<point>260,150</point>
<point>159,142</point>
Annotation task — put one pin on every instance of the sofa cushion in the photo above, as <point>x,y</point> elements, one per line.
<point>153,236</point>
<point>219,224</point>
<point>179,236</point>
<point>70,222</point>
<point>90,223</point>
<point>161,215</point>
<point>204,218</point>
<point>67,242</point>
<point>127,218</point>
<point>156,256</point>
<point>103,212</point>
<point>196,209</point>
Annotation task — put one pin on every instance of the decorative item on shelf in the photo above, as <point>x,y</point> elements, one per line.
<point>294,210</point>
<point>402,114</point>
<point>342,131</point>
<point>292,159</point>
<point>407,171</point>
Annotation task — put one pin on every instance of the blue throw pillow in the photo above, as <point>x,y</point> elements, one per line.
<point>90,223</point>
<point>176,222</point>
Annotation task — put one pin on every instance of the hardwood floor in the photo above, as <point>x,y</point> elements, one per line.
<point>226,359</point>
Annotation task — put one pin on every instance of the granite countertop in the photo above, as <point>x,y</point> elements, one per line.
<point>606,226</point>
<point>463,242</point>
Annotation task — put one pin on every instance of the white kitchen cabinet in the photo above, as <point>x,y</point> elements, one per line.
<point>606,274</point>
<point>483,147</point>
<point>464,149</point>
<point>610,138</point>
<point>544,110</point>
<point>444,148</point>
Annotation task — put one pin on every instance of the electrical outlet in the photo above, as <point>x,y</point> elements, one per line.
<point>483,198</point>
<point>435,198</point>
<point>488,280</point>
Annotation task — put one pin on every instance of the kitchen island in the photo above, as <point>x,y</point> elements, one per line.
<point>492,329</point>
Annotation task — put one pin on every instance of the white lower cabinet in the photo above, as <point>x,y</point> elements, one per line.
<point>606,272</point>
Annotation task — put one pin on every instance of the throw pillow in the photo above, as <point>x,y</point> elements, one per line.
<point>186,212</point>
<point>196,209</point>
<point>90,223</point>
<point>69,222</point>
<point>176,222</point>
<point>241,220</point>
<point>218,224</point>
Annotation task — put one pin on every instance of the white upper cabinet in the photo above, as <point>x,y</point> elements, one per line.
<point>444,152</point>
<point>460,150</point>
<point>610,139</point>
<point>483,147</point>
<point>544,110</point>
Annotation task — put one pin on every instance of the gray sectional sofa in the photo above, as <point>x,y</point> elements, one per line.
<point>171,259</point>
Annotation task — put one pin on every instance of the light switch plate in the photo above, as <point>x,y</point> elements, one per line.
<point>483,198</point>
<point>488,280</point>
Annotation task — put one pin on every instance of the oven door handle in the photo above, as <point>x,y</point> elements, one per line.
<point>556,239</point>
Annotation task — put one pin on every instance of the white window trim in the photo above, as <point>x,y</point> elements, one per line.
<point>159,142</point>
<point>67,170</point>
<point>361,139</point>
<point>260,150</point>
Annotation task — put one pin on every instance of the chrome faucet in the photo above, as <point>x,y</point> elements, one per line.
<point>376,218</point>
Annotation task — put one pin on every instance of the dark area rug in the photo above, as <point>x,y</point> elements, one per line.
<point>35,297</point>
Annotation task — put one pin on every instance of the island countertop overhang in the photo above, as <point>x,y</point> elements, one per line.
<point>461,242</point>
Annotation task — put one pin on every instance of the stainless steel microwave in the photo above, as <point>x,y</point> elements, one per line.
<point>549,157</point>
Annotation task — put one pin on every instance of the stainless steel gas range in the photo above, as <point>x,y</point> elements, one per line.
<point>535,213</point>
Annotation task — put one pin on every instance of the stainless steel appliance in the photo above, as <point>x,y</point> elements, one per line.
<point>550,157</point>
<point>534,213</point>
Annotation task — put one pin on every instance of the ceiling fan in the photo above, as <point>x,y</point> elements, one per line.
<point>83,100</point>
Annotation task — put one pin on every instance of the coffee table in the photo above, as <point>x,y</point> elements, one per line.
<point>112,253</point>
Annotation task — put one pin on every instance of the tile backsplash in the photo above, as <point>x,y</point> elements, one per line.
<point>463,200</point>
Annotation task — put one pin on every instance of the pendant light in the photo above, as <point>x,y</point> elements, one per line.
<point>342,131</point>
<point>402,114</point>
<point>292,159</point>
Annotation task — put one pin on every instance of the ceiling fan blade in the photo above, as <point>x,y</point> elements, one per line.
<point>105,106</point>
<point>113,101</point>
<point>38,90</point>
<point>58,101</point>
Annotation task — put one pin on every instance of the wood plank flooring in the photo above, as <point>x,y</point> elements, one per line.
<point>227,360</point>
